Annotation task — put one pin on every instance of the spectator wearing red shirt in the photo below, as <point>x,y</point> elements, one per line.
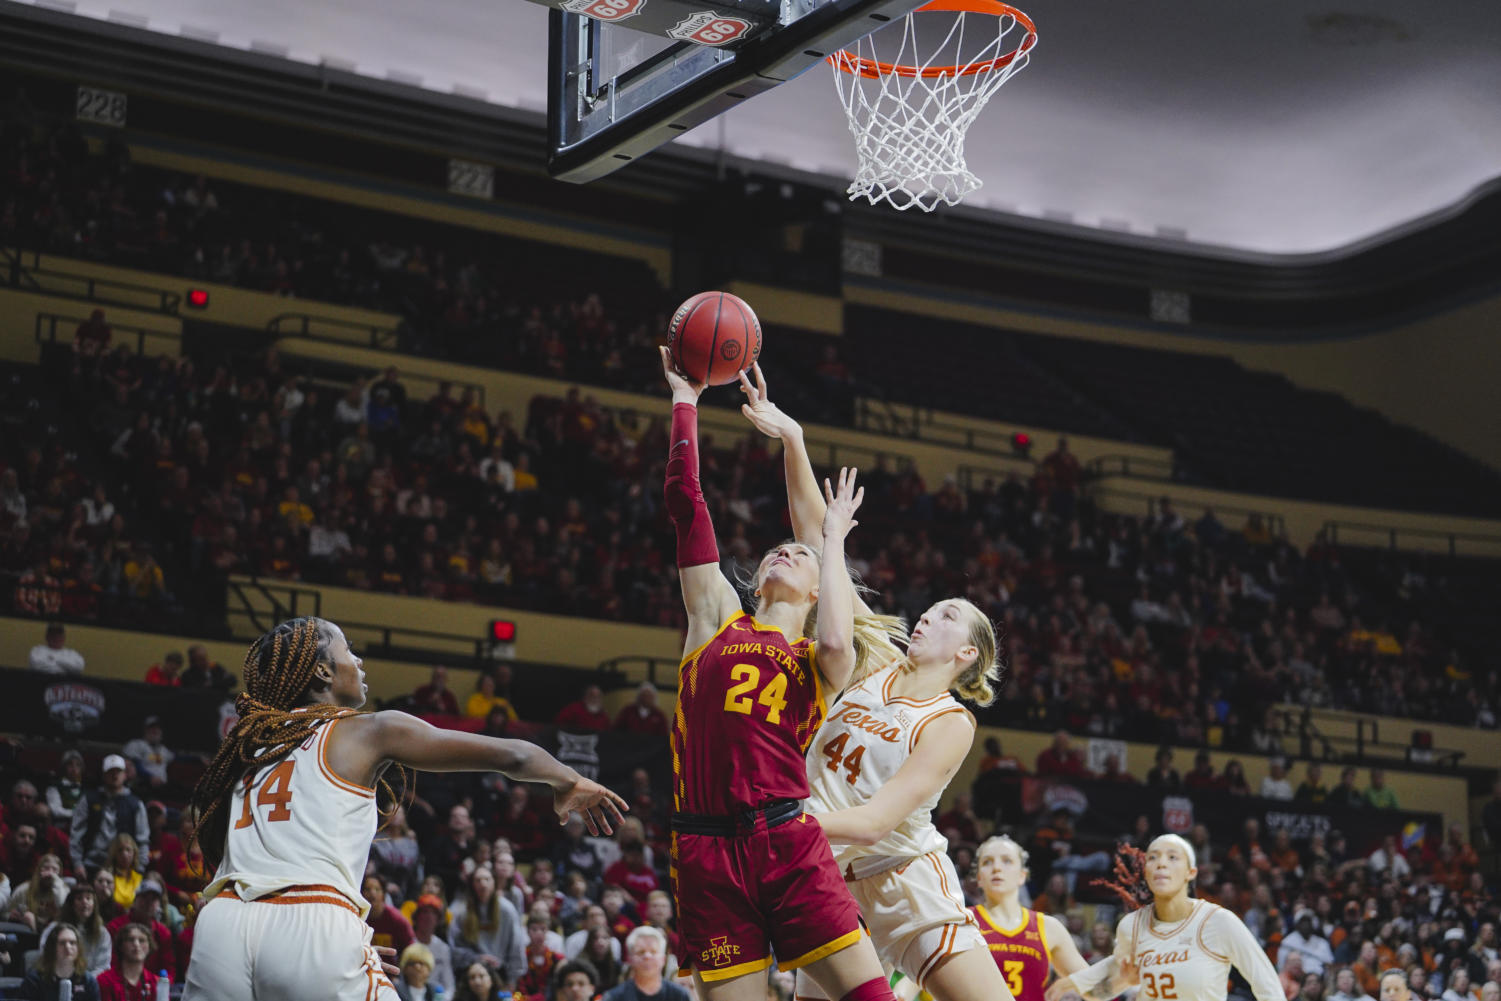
<point>391,928</point>
<point>587,715</point>
<point>632,873</point>
<point>540,960</point>
<point>93,335</point>
<point>1060,758</point>
<point>521,826</point>
<point>128,978</point>
<point>435,697</point>
<point>612,899</point>
<point>1202,775</point>
<point>659,916</point>
<point>167,673</point>
<point>643,716</point>
<point>1062,467</point>
<point>997,760</point>
<point>961,818</point>
<point>144,910</point>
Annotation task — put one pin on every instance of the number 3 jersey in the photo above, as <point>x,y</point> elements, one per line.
<point>296,823</point>
<point>1188,960</point>
<point>748,705</point>
<point>867,738</point>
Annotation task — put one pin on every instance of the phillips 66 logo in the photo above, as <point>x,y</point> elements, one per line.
<point>605,10</point>
<point>709,28</point>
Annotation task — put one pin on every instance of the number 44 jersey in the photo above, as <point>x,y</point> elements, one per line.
<point>296,823</point>
<point>865,741</point>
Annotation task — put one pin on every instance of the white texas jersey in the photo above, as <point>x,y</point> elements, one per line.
<point>867,737</point>
<point>296,823</point>
<point>1188,960</point>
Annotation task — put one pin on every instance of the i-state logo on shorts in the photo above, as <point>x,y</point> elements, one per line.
<point>721,952</point>
<point>708,28</point>
<point>605,10</point>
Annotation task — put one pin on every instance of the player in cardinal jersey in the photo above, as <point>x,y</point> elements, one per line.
<point>884,757</point>
<point>1025,944</point>
<point>753,875</point>
<point>1176,948</point>
<point>287,813</point>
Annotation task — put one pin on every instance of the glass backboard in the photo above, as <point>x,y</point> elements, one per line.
<point>627,76</point>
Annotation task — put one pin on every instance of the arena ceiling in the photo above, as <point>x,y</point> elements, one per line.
<point>1281,128</point>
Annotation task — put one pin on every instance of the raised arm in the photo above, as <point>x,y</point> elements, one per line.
<point>805,501</point>
<point>836,612</point>
<point>361,745</point>
<point>944,743</point>
<point>707,595</point>
<point>1109,977</point>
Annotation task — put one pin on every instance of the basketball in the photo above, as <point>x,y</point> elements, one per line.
<point>713,337</point>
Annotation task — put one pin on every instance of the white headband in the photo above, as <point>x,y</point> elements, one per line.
<point>1188,849</point>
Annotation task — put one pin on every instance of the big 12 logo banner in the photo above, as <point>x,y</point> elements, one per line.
<point>709,28</point>
<point>605,10</point>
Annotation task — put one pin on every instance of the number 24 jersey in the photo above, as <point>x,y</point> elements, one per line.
<point>749,702</point>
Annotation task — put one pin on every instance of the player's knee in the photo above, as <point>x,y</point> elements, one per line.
<point>872,990</point>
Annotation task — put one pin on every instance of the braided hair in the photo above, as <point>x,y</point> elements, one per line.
<point>1129,878</point>
<point>280,673</point>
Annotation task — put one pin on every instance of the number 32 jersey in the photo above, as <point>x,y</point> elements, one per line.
<point>748,705</point>
<point>1189,960</point>
<point>296,823</point>
<point>866,740</point>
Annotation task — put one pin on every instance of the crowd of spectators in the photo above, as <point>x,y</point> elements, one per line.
<point>481,899</point>
<point>1152,628</point>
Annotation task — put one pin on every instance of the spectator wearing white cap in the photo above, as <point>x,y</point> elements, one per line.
<point>104,812</point>
<point>150,755</point>
<point>55,656</point>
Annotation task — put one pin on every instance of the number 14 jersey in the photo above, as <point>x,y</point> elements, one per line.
<point>866,740</point>
<point>296,823</point>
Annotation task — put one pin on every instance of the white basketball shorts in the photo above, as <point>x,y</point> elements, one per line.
<point>291,947</point>
<point>916,916</point>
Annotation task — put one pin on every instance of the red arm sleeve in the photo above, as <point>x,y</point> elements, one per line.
<point>684,496</point>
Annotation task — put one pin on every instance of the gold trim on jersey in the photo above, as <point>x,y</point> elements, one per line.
<point>739,969</point>
<point>722,626</point>
<point>827,949</point>
<point>1009,933</point>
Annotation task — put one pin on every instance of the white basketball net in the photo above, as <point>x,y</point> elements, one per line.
<point>909,116</point>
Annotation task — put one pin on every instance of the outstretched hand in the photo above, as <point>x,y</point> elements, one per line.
<point>684,390</point>
<point>1059,989</point>
<point>760,411</point>
<point>387,953</point>
<point>842,504</point>
<point>593,802</point>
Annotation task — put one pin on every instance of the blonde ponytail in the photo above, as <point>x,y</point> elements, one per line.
<point>980,681</point>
